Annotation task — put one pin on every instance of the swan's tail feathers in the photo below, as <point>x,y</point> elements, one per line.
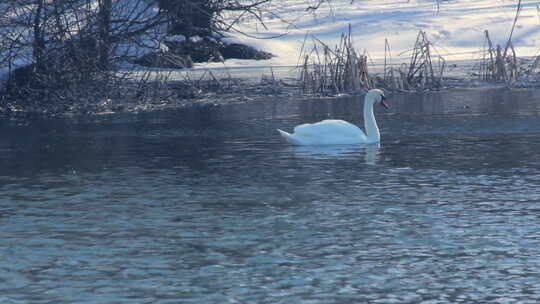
<point>284,134</point>
<point>288,137</point>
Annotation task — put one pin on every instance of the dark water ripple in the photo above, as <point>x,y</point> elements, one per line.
<point>163,213</point>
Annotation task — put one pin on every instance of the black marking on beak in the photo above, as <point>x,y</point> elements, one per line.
<point>384,102</point>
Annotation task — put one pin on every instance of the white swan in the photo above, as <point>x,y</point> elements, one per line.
<point>335,132</point>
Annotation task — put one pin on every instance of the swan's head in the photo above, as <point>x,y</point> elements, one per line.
<point>377,96</point>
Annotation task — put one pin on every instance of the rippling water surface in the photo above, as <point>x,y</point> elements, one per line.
<point>445,210</point>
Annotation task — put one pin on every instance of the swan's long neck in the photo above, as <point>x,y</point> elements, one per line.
<point>372,130</point>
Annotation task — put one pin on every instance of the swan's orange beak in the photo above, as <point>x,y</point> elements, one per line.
<point>384,103</point>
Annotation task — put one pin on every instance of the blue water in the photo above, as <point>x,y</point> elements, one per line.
<point>445,210</point>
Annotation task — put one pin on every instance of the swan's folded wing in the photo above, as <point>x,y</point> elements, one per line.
<point>329,128</point>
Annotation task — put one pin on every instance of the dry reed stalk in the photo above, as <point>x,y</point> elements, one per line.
<point>487,65</point>
<point>339,69</point>
<point>534,66</point>
<point>342,69</point>
<point>498,65</point>
<point>271,80</point>
<point>442,65</point>
<point>421,75</point>
<point>386,50</point>
<point>509,42</point>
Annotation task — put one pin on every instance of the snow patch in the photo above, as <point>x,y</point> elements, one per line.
<point>195,39</point>
<point>176,38</point>
<point>455,28</point>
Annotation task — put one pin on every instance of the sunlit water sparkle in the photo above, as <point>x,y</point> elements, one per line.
<point>445,210</point>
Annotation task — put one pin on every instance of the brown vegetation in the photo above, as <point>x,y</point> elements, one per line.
<point>343,69</point>
<point>336,70</point>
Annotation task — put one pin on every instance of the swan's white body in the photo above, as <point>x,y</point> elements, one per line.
<point>335,132</point>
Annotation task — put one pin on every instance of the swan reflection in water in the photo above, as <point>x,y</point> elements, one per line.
<point>370,152</point>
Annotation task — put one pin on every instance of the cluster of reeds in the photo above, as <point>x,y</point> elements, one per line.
<point>420,74</point>
<point>336,70</point>
<point>343,69</point>
<point>498,64</point>
<point>171,85</point>
<point>274,86</point>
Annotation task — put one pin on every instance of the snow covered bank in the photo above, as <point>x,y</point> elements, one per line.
<point>455,27</point>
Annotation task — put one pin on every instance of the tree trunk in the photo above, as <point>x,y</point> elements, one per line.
<point>104,25</point>
<point>39,40</point>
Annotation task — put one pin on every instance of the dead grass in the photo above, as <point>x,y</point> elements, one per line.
<point>422,73</point>
<point>336,70</point>
<point>324,70</point>
<point>498,65</point>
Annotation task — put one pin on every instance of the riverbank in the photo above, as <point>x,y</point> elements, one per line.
<point>238,107</point>
<point>201,91</point>
<point>200,107</point>
<point>383,32</point>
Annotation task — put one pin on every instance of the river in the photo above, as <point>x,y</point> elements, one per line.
<point>218,209</point>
